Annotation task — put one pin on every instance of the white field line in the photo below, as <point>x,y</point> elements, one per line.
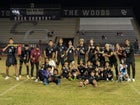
<point>133,88</point>
<point>11,88</point>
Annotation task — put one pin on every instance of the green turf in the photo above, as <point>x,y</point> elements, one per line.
<point>27,92</point>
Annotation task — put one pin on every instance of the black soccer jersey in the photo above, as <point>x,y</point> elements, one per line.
<point>82,50</point>
<point>25,55</point>
<point>49,51</point>
<point>129,51</point>
<point>61,50</point>
<point>70,54</point>
<point>112,58</point>
<point>11,51</point>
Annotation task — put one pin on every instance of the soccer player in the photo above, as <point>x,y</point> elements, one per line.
<point>98,55</point>
<point>110,55</point>
<point>73,72</point>
<point>55,77</point>
<point>108,71</point>
<point>35,56</point>
<point>81,70</point>
<point>130,59</point>
<point>70,52</point>
<point>119,51</point>
<point>81,51</point>
<point>60,52</point>
<point>10,49</point>
<point>123,75</point>
<point>49,52</point>
<point>25,58</point>
<point>65,70</point>
<point>92,79</point>
<point>91,50</point>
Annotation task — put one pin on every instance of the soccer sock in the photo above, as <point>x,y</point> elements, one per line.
<point>20,68</point>
<point>27,68</point>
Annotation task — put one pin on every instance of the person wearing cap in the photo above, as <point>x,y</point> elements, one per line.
<point>24,58</point>
<point>81,50</point>
<point>35,55</point>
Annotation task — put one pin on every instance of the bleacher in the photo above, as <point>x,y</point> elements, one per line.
<point>111,36</point>
<point>17,30</point>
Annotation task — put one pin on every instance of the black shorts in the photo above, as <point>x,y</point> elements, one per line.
<point>11,61</point>
<point>23,61</point>
<point>91,81</point>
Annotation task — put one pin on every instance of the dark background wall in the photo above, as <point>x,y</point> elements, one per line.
<point>82,3</point>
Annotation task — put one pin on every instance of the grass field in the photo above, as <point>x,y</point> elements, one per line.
<point>27,92</point>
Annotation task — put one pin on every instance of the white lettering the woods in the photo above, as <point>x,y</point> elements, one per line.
<point>86,13</point>
<point>95,12</point>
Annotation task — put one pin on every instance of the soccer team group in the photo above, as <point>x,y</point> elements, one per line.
<point>92,63</point>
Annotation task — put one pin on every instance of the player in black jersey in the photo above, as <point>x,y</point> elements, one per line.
<point>10,49</point>
<point>130,59</point>
<point>60,52</point>
<point>110,55</point>
<point>24,58</point>
<point>70,52</point>
<point>91,50</point>
<point>81,49</point>
<point>49,52</point>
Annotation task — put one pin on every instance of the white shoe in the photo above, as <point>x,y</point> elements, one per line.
<point>133,80</point>
<point>36,80</point>
<point>20,76</point>
<point>107,79</point>
<point>129,80</point>
<point>7,77</point>
<point>28,77</point>
<point>32,78</point>
<point>17,78</point>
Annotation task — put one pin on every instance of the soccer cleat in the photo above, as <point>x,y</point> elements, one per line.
<point>17,78</point>
<point>28,77</point>
<point>36,80</point>
<point>7,77</point>
<point>133,80</point>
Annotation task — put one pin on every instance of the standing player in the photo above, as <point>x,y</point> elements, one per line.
<point>11,58</point>
<point>25,58</point>
<point>35,55</point>
<point>70,52</point>
<point>60,52</point>
<point>119,52</point>
<point>81,51</point>
<point>91,50</point>
<point>110,55</point>
<point>49,51</point>
<point>130,59</point>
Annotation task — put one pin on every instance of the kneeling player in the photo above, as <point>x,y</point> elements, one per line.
<point>123,72</point>
<point>55,77</point>
<point>65,70</point>
<point>92,79</point>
